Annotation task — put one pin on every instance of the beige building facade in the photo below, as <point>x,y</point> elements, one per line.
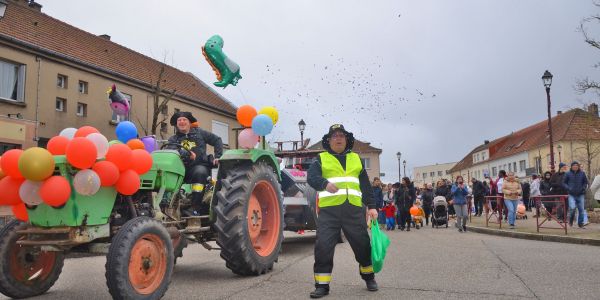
<point>46,87</point>
<point>432,173</point>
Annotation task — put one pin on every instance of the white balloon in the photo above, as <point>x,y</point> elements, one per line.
<point>101,143</point>
<point>86,182</point>
<point>68,132</point>
<point>29,192</point>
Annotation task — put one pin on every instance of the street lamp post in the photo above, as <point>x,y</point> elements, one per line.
<point>399,156</point>
<point>404,164</point>
<point>559,148</point>
<point>547,79</point>
<point>301,126</point>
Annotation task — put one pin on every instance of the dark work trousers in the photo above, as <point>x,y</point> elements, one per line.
<point>197,175</point>
<point>405,219</point>
<point>427,210</point>
<point>351,220</point>
<point>478,205</point>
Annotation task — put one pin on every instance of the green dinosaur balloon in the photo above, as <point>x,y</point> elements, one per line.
<point>227,71</point>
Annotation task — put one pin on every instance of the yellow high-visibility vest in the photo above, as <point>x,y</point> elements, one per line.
<point>346,180</point>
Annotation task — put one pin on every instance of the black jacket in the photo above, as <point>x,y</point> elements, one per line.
<point>556,181</point>
<point>526,188</point>
<point>444,191</point>
<point>478,189</point>
<point>316,180</point>
<point>545,187</point>
<point>196,141</point>
<point>427,197</point>
<point>405,197</point>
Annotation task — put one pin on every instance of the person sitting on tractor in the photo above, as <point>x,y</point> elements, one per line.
<point>197,164</point>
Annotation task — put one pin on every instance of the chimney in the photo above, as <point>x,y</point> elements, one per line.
<point>105,36</point>
<point>559,112</point>
<point>486,142</point>
<point>593,109</point>
<point>35,6</point>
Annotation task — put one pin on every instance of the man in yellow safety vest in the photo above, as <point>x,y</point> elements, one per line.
<point>344,188</point>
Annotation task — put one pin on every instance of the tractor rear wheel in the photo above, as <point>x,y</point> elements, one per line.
<point>25,271</point>
<point>140,260</point>
<point>249,219</point>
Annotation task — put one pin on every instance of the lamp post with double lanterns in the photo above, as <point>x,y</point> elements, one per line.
<point>404,164</point>
<point>547,79</point>
<point>301,126</point>
<point>399,156</point>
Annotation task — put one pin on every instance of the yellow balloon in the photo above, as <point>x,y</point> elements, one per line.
<point>271,112</point>
<point>36,164</point>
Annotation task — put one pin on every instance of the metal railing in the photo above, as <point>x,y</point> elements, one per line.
<point>492,210</point>
<point>560,202</point>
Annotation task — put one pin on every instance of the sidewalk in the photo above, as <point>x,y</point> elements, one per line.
<point>526,229</point>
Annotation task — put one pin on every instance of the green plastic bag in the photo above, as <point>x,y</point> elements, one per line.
<point>379,245</point>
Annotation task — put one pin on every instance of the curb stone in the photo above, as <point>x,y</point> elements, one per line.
<point>535,237</point>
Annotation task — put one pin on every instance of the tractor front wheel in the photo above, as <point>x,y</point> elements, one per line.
<point>26,271</point>
<point>140,260</point>
<point>249,219</point>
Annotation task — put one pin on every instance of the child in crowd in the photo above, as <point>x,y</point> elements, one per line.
<point>417,214</point>
<point>390,215</point>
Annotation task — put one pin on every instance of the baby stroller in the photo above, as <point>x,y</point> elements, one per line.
<point>440,212</point>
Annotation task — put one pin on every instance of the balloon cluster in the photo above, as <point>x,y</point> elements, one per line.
<point>27,177</point>
<point>257,124</point>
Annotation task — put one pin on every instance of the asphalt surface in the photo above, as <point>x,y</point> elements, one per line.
<point>421,264</point>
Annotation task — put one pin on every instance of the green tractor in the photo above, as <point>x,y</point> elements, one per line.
<point>143,234</point>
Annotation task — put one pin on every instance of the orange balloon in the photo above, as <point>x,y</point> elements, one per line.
<point>135,144</point>
<point>55,191</point>
<point>128,183</point>
<point>414,211</point>
<point>120,155</point>
<point>81,153</point>
<point>58,145</point>
<point>10,163</point>
<point>245,114</point>
<point>141,161</point>
<point>10,190</point>
<point>84,131</point>
<point>20,212</point>
<point>107,171</point>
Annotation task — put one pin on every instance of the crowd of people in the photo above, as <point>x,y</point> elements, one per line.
<point>402,205</point>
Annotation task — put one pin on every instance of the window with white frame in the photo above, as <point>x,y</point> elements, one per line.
<point>483,156</point>
<point>366,163</point>
<point>61,104</point>
<point>522,166</point>
<point>494,171</point>
<point>81,109</point>
<point>61,81</point>
<point>12,81</point>
<point>221,129</point>
<point>83,87</point>
<point>424,175</point>
<point>118,118</point>
<point>439,173</point>
<point>515,166</point>
<point>432,174</point>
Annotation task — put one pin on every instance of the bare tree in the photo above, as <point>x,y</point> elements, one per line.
<point>160,102</point>
<point>587,84</point>
<point>587,148</point>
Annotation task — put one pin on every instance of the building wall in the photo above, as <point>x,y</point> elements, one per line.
<point>40,99</point>
<point>571,150</point>
<point>374,168</point>
<point>419,180</point>
<point>480,170</point>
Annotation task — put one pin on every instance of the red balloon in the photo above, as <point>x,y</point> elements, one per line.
<point>84,131</point>
<point>141,161</point>
<point>81,153</point>
<point>58,145</point>
<point>107,171</point>
<point>20,212</point>
<point>9,187</point>
<point>10,163</point>
<point>120,155</point>
<point>128,183</point>
<point>55,191</point>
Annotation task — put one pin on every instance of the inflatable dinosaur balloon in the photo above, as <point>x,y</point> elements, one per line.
<point>227,71</point>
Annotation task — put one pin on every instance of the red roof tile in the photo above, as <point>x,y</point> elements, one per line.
<point>28,26</point>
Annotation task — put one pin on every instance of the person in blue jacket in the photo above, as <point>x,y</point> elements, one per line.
<point>575,182</point>
<point>459,193</point>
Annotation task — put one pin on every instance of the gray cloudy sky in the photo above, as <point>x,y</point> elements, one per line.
<point>431,79</point>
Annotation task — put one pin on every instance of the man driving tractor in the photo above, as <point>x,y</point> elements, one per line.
<point>198,164</point>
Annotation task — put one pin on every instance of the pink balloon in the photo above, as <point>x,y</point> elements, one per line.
<point>248,139</point>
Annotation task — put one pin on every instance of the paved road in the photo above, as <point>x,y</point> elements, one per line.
<point>424,264</point>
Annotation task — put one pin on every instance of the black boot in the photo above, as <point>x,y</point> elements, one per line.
<point>371,285</point>
<point>319,292</point>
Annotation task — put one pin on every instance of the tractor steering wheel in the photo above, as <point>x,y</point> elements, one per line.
<point>185,154</point>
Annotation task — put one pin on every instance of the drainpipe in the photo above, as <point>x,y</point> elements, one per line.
<point>37,98</point>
